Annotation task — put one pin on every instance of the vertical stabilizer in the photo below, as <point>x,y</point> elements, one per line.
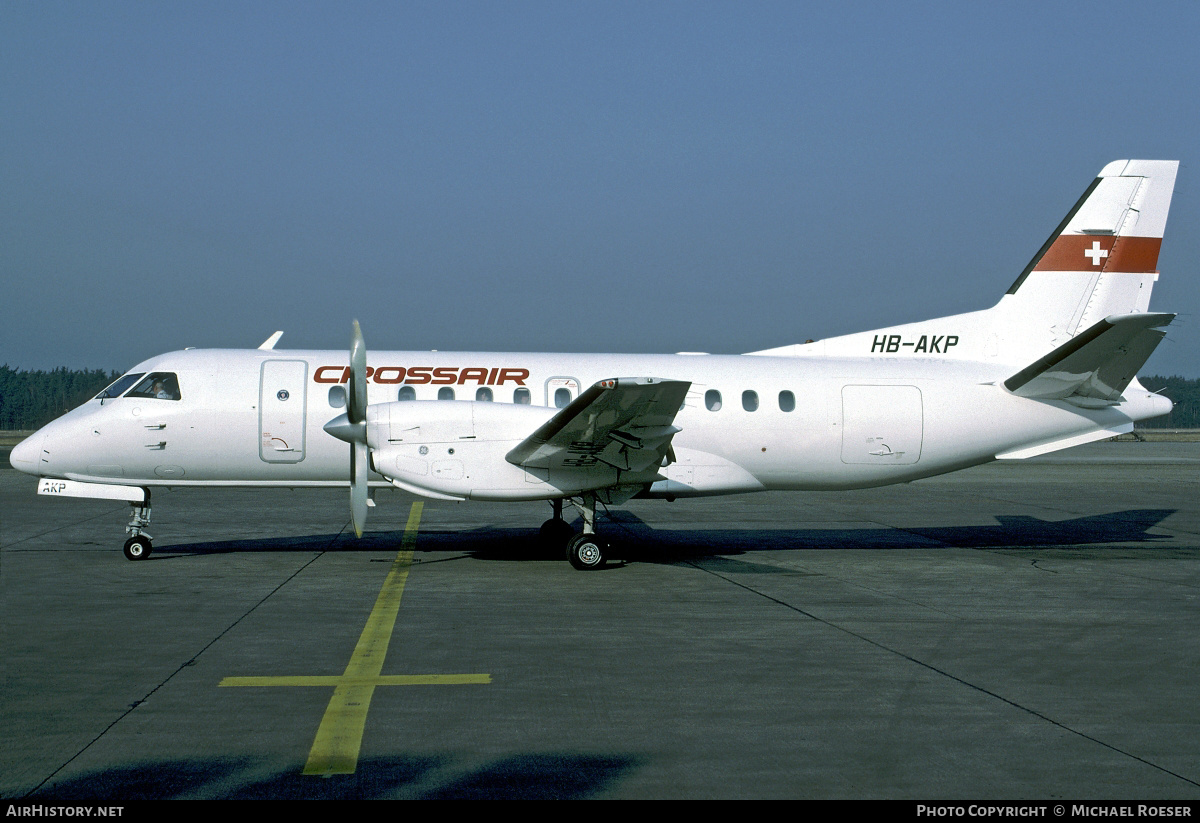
<point>1100,262</point>
<point>1102,259</point>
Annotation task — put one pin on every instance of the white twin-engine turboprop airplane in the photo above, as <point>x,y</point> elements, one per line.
<point>1051,365</point>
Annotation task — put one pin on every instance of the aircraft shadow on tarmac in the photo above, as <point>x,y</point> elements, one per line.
<point>636,541</point>
<point>526,777</point>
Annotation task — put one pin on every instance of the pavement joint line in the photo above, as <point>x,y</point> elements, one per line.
<point>186,664</point>
<point>338,740</point>
<point>947,674</point>
<point>27,538</point>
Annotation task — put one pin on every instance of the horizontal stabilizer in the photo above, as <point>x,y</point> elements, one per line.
<point>625,424</point>
<point>1093,368</point>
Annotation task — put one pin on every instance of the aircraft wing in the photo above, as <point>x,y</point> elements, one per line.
<point>1094,367</point>
<point>624,423</point>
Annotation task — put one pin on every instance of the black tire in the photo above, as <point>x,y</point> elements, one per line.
<point>137,548</point>
<point>555,533</point>
<point>586,552</point>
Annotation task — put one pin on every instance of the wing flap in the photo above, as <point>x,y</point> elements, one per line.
<point>1094,367</point>
<point>623,423</point>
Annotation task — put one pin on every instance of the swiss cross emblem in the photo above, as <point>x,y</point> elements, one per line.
<point>1096,253</point>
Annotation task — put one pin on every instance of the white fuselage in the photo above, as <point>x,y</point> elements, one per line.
<point>1051,365</point>
<point>255,417</point>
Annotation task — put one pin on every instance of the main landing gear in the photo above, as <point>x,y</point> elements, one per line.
<point>585,551</point>
<point>138,546</point>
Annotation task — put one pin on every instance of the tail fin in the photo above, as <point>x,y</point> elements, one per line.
<point>1099,263</point>
<point>1102,259</point>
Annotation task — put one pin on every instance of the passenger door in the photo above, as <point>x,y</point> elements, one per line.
<point>282,410</point>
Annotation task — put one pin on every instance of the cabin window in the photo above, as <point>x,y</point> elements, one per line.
<point>562,398</point>
<point>483,394</point>
<point>787,401</point>
<point>337,397</point>
<point>712,400</point>
<point>406,393</point>
<point>750,400</point>
<point>158,385</point>
<point>521,396</point>
<point>118,387</point>
<point>445,393</point>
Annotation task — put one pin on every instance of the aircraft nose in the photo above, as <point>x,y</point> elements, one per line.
<point>26,455</point>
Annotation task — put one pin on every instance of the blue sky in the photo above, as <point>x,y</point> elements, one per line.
<point>564,176</point>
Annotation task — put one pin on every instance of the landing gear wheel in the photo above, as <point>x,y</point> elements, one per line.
<point>586,552</point>
<point>137,548</point>
<point>555,532</point>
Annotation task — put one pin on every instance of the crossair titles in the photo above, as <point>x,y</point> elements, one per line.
<point>422,375</point>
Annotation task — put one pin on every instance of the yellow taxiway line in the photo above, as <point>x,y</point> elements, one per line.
<point>339,737</point>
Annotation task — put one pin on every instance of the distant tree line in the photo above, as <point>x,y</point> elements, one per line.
<point>1181,391</point>
<point>29,399</point>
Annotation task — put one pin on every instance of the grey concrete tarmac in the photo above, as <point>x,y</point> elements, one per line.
<point>1015,631</point>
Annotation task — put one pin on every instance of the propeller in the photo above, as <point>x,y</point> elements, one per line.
<point>352,428</point>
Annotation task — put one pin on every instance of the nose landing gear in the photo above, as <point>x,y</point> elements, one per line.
<point>138,546</point>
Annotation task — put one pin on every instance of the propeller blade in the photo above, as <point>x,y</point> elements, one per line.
<point>358,486</point>
<point>352,427</point>
<point>357,406</point>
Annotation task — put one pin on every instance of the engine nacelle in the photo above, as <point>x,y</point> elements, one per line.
<point>428,422</point>
<point>453,447</point>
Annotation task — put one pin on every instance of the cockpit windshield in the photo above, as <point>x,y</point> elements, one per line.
<point>160,384</point>
<point>118,387</point>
